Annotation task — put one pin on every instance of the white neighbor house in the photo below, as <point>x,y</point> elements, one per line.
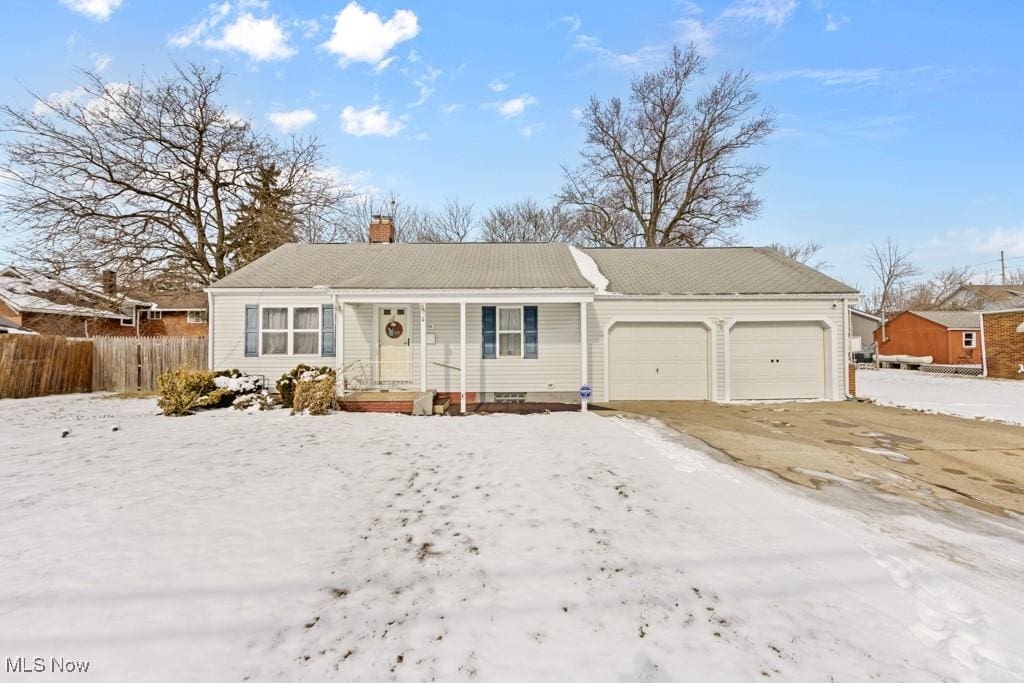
<point>537,321</point>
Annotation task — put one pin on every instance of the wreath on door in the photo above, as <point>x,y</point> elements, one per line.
<point>393,329</point>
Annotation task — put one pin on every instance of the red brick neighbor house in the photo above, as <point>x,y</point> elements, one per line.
<point>47,304</point>
<point>948,337</point>
<point>172,314</point>
<point>1003,340</point>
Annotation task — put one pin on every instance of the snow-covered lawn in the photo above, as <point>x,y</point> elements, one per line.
<point>561,547</point>
<point>973,397</point>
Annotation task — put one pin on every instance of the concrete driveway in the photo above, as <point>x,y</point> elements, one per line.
<point>930,458</point>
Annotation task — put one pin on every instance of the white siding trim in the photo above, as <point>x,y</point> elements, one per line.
<point>830,369</point>
<point>641,318</point>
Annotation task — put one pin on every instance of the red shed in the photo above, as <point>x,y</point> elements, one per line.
<point>949,337</point>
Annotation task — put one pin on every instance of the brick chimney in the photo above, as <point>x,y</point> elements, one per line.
<point>382,230</point>
<point>108,279</point>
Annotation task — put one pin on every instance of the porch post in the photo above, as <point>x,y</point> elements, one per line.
<point>583,351</point>
<point>462,357</point>
<point>423,347</point>
<point>339,341</point>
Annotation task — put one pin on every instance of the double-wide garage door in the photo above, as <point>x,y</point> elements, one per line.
<point>777,360</point>
<point>658,361</point>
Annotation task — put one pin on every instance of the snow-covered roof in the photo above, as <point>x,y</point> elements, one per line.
<point>31,291</point>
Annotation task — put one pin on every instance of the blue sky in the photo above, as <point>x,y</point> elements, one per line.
<point>899,119</point>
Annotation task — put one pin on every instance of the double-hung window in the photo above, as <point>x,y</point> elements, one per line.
<point>306,330</point>
<point>510,332</point>
<point>294,331</point>
<point>970,340</point>
<point>274,330</point>
<point>197,317</point>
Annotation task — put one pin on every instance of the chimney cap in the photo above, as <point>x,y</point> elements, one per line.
<point>382,218</point>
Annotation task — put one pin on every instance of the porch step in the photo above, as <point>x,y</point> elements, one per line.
<point>389,402</point>
<point>441,404</point>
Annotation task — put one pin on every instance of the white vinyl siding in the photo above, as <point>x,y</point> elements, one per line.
<point>227,334</point>
<point>556,368</point>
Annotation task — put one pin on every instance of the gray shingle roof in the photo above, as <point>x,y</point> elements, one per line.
<point>725,270</point>
<point>952,319</point>
<point>413,266</point>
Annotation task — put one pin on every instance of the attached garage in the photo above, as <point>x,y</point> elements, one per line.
<point>777,360</point>
<point>667,361</point>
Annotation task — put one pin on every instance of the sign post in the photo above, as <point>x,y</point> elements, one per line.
<point>585,394</point>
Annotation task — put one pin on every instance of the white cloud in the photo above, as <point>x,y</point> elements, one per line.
<point>58,99</point>
<point>992,241</point>
<point>383,64</point>
<point>832,24</point>
<point>370,121</point>
<point>361,36</point>
<point>101,62</point>
<point>289,121</point>
<point>573,21</point>
<point>425,85</point>
<point>450,108</point>
<point>261,39</point>
<point>308,27</point>
<point>772,12</point>
<point>904,81</point>
<point>195,32</point>
<point>413,56</point>
<point>515,106</point>
<point>529,129</point>
<point>647,55</point>
<point>99,10</point>
<point>498,85</point>
<point>700,34</point>
<point>576,113</point>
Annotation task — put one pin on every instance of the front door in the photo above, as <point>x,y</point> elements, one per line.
<point>393,344</point>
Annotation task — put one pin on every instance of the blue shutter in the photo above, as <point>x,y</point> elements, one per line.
<point>530,330</point>
<point>490,333</point>
<point>252,329</point>
<point>327,330</point>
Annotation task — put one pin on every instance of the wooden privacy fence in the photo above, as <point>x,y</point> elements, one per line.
<point>134,363</point>
<point>36,365</point>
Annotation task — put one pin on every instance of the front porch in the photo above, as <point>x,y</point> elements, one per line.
<point>470,349</point>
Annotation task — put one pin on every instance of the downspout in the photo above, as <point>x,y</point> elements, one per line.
<point>846,350</point>
<point>209,330</point>
<point>984,351</point>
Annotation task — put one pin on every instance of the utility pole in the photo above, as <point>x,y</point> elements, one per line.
<point>1002,264</point>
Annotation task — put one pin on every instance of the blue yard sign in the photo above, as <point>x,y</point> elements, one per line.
<point>585,392</point>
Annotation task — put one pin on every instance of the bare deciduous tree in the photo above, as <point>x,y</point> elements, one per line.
<point>528,221</point>
<point>147,178</point>
<point>936,291</point>
<point>452,223</point>
<point>804,253</point>
<point>664,170</point>
<point>892,268</point>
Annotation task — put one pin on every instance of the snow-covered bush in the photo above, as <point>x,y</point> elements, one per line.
<point>286,385</point>
<point>186,390</point>
<point>315,391</point>
<point>183,390</point>
<point>261,400</point>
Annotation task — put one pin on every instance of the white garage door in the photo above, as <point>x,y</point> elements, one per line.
<point>658,361</point>
<point>777,360</point>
